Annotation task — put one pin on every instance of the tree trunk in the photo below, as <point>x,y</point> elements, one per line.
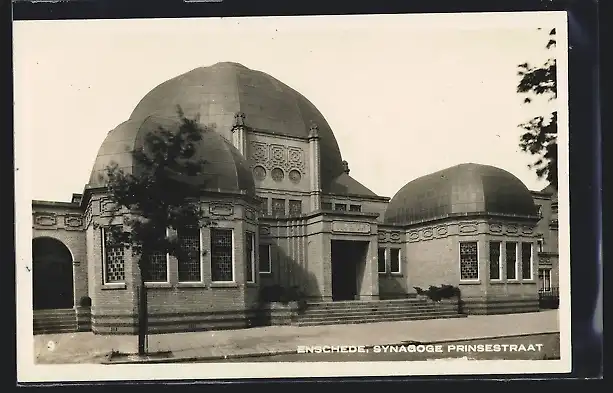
<point>142,317</point>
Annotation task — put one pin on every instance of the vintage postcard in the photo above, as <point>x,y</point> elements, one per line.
<point>222,198</point>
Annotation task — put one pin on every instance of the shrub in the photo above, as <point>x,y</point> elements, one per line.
<point>439,293</point>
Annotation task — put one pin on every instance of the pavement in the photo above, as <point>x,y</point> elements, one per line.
<point>86,347</point>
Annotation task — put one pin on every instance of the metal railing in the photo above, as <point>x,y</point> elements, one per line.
<point>549,298</point>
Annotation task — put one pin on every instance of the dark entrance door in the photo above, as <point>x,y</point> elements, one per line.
<point>348,259</point>
<point>52,282</point>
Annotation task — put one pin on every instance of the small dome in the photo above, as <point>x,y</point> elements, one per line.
<point>217,92</point>
<point>462,189</point>
<point>225,168</point>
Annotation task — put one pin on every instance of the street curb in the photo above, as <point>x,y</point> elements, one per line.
<point>109,359</point>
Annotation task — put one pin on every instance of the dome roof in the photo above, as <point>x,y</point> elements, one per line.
<point>216,93</point>
<point>462,189</point>
<point>225,168</point>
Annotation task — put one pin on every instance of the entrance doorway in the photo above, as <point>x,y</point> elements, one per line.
<point>52,282</point>
<point>348,263</point>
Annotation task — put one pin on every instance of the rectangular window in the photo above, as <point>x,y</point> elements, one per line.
<point>264,207</point>
<point>295,208</point>
<point>526,261</point>
<point>326,206</point>
<point>395,260</point>
<point>545,280</point>
<point>278,207</point>
<point>495,261</point>
<point>157,271</point>
<point>511,260</point>
<point>250,256</point>
<point>265,263</point>
<point>355,208</point>
<point>190,259</point>
<point>340,207</point>
<point>540,245</point>
<point>222,263</point>
<point>113,253</point>
<point>469,261</point>
<point>381,262</point>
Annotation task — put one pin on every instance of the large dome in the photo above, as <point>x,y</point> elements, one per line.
<point>224,169</point>
<point>216,93</point>
<point>462,189</point>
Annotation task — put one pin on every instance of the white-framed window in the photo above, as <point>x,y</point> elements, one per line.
<point>382,262</point>
<point>540,244</point>
<point>189,263</point>
<point>545,280</point>
<point>469,261</point>
<point>159,267</point>
<point>265,262</point>
<point>495,261</point>
<point>113,260</point>
<point>222,255</point>
<point>539,211</point>
<point>526,261</point>
<point>395,267</point>
<point>250,257</point>
<point>511,260</point>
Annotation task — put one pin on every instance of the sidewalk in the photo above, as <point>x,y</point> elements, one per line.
<point>89,348</point>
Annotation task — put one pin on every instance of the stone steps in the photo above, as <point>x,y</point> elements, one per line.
<point>350,312</point>
<point>55,321</point>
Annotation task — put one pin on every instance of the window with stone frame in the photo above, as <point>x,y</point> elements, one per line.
<point>526,261</point>
<point>469,261</point>
<point>340,207</point>
<point>495,265</point>
<point>355,208</point>
<point>278,207</point>
<point>264,259</point>
<point>189,261</point>
<point>222,263</point>
<point>511,260</point>
<point>250,256</point>
<point>114,260</point>
<point>326,206</point>
<point>382,264</point>
<point>295,207</point>
<point>264,207</point>
<point>545,280</point>
<point>395,267</point>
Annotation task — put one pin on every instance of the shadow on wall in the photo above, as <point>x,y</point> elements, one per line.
<point>286,290</point>
<point>392,287</point>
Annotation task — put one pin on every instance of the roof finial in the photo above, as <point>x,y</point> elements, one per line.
<point>314,130</point>
<point>239,119</point>
<point>345,167</point>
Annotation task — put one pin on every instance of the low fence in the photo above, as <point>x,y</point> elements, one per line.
<point>549,299</point>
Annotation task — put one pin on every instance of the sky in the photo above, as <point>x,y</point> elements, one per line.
<point>405,95</point>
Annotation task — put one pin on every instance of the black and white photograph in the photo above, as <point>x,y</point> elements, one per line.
<point>296,196</point>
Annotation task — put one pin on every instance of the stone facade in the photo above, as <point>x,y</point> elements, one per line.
<point>330,239</point>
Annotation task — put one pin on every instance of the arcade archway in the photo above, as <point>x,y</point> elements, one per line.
<point>52,282</point>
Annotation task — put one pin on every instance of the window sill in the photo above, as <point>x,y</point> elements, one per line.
<point>265,273</point>
<point>470,282</point>
<point>113,286</point>
<point>224,285</point>
<point>497,282</point>
<point>396,274</point>
<point>158,285</point>
<point>191,285</point>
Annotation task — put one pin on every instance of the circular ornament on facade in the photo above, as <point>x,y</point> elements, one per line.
<point>259,172</point>
<point>295,176</point>
<point>277,174</point>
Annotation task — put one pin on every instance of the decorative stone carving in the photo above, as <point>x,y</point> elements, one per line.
<point>382,236</point>
<point>277,174</point>
<point>270,156</point>
<point>496,228</point>
<point>45,219</point>
<point>527,230</point>
<point>264,230</point>
<point>259,172</point>
<point>395,236</point>
<point>107,206</point>
<point>221,209</point>
<point>249,214</point>
<point>73,221</point>
<point>295,176</point>
<point>350,227</point>
<point>427,233</point>
<point>512,229</point>
<point>413,236</point>
<point>441,231</point>
<point>468,228</point>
